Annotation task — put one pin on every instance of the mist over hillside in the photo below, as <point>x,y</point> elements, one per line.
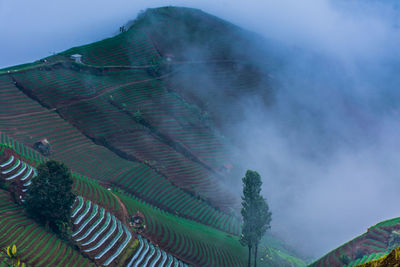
<point>325,135</point>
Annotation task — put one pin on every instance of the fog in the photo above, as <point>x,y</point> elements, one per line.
<point>327,147</point>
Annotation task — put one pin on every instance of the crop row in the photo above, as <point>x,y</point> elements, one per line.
<point>157,226</point>
<point>129,48</point>
<point>194,243</point>
<point>146,183</point>
<point>36,246</point>
<point>172,116</point>
<point>83,156</point>
<point>14,170</point>
<point>149,255</point>
<point>371,243</point>
<point>159,107</point>
<point>62,85</point>
<point>98,233</point>
<point>67,143</point>
<point>103,247</point>
<point>19,170</point>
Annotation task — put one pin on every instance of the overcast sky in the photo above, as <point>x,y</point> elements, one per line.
<point>318,202</point>
<point>31,30</point>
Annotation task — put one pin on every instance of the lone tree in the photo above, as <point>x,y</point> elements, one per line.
<point>255,213</point>
<point>49,198</point>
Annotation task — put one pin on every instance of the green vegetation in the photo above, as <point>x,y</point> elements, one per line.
<point>31,239</point>
<point>50,197</point>
<point>255,213</point>
<point>118,124</point>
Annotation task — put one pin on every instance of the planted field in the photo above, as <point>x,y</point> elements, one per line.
<point>149,255</point>
<point>174,117</point>
<point>129,48</point>
<point>19,170</point>
<point>193,242</point>
<point>99,233</point>
<point>60,85</point>
<point>165,111</point>
<point>140,179</point>
<point>151,187</point>
<point>68,144</point>
<point>36,246</point>
<point>366,258</point>
<point>16,171</point>
<point>361,249</point>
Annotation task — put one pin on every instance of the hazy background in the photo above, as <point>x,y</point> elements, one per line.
<point>328,148</point>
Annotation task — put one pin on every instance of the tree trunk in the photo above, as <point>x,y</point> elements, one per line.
<point>255,255</point>
<point>249,261</point>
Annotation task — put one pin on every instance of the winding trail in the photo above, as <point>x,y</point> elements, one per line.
<point>122,205</point>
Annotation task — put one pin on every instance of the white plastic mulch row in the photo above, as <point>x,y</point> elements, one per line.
<point>146,251</point>
<point>91,217</point>
<point>98,227</point>
<point>16,165</point>
<point>121,247</point>
<point>90,230</point>
<point>84,213</point>
<point>7,162</point>
<point>23,169</point>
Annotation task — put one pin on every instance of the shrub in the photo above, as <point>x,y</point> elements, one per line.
<point>50,197</point>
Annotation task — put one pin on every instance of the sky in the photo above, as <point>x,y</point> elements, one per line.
<point>328,148</point>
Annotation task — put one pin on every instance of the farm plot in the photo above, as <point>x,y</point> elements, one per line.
<point>140,180</point>
<point>371,243</point>
<point>98,232</point>
<point>36,246</point>
<point>192,242</point>
<point>149,255</point>
<point>130,48</point>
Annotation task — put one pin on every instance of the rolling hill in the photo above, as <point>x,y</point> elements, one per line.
<point>377,242</point>
<point>140,121</point>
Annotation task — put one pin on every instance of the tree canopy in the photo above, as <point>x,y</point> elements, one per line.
<point>255,213</point>
<point>49,198</point>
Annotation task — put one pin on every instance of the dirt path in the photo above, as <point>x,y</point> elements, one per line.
<point>109,89</point>
<point>122,205</point>
<point>96,95</point>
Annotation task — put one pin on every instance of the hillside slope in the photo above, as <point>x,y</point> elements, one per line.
<point>143,115</point>
<point>379,240</point>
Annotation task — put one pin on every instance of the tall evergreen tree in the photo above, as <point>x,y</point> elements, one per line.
<point>49,198</point>
<point>255,213</point>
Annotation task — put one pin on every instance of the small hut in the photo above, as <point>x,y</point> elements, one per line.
<point>43,146</point>
<point>169,57</point>
<point>226,168</point>
<point>137,222</point>
<point>77,58</point>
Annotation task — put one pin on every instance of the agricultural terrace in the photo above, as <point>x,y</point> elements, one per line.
<point>373,244</point>
<point>130,48</point>
<point>36,246</point>
<point>27,121</point>
<point>110,118</point>
<point>103,248</point>
<point>195,243</point>
<point>103,237</point>
<point>148,254</point>
<point>19,169</point>
<point>98,233</point>
<point>171,197</point>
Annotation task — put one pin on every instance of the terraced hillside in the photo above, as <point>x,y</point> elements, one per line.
<point>36,246</point>
<point>371,245</point>
<point>101,231</point>
<point>135,139</point>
